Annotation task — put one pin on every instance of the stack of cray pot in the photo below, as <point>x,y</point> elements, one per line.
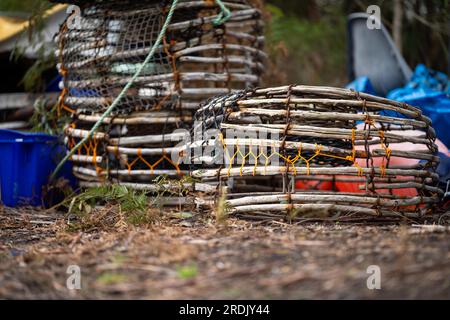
<point>100,47</point>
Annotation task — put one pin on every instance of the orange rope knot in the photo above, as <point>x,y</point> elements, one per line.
<point>369,120</point>
<point>383,170</point>
<point>388,152</point>
<point>360,170</point>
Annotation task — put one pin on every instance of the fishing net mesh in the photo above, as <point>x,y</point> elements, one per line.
<point>99,55</point>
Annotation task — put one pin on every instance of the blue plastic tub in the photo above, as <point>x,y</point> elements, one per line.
<point>26,163</point>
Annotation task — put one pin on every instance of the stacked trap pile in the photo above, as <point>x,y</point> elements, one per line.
<point>299,152</point>
<point>98,55</point>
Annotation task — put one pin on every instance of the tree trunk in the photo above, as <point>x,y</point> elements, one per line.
<point>397,23</point>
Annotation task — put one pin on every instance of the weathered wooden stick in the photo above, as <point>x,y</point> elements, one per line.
<point>143,151</point>
<point>86,159</point>
<point>80,133</point>
<point>336,198</point>
<point>331,208</point>
<point>330,116</point>
<point>148,173</point>
<point>218,46</point>
<point>88,172</point>
<point>238,60</point>
<point>149,139</point>
<point>276,170</point>
<point>137,120</point>
<point>406,185</point>
<point>327,132</point>
<point>117,172</point>
<point>296,103</point>
<point>139,186</point>
<point>186,76</point>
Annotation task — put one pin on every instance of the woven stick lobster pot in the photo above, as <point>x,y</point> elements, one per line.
<point>269,152</point>
<point>98,54</point>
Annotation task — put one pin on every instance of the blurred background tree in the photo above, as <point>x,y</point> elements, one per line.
<point>307,38</point>
<point>313,35</point>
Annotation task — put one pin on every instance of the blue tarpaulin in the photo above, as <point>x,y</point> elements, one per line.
<point>430,91</point>
<point>362,84</point>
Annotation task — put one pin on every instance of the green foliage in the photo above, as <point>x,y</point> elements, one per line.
<point>109,208</point>
<point>316,49</point>
<point>113,206</point>
<point>22,5</point>
<point>33,80</point>
<point>187,272</point>
<point>275,11</point>
<point>128,199</point>
<point>47,120</point>
<point>111,278</point>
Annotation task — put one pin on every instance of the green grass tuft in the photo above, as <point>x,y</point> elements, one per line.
<point>110,278</point>
<point>187,272</point>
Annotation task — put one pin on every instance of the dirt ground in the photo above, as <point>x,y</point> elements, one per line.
<point>195,258</point>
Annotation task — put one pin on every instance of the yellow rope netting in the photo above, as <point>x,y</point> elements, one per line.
<point>299,158</point>
<point>152,167</point>
<point>91,146</point>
